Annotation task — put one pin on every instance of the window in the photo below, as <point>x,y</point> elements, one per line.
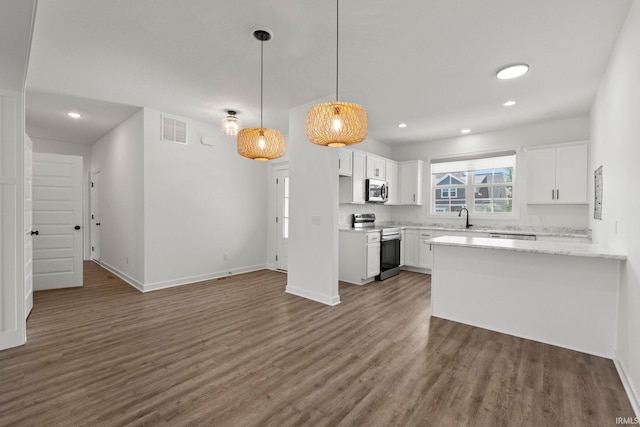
<point>484,185</point>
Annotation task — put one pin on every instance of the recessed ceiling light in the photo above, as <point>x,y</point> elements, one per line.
<point>512,71</point>
<point>402,125</point>
<point>465,131</point>
<point>74,115</point>
<point>509,103</point>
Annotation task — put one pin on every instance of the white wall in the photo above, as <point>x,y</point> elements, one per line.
<point>554,132</point>
<point>313,189</point>
<point>200,202</point>
<point>41,145</point>
<point>615,135</point>
<point>119,158</point>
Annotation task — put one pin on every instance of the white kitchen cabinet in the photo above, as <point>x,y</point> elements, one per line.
<point>425,250</point>
<point>352,187</point>
<point>373,259</point>
<point>359,255</point>
<point>345,166</point>
<point>557,175</point>
<point>391,173</point>
<point>375,167</point>
<point>410,244</point>
<point>410,182</point>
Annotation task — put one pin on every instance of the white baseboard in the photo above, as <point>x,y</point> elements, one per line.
<point>200,278</point>
<point>324,299</point>
<point>634,397</point>
<point>130,280</point>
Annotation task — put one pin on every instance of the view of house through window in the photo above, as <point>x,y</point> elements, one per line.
<point>482,185</point>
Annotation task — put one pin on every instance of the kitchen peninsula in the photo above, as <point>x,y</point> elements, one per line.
<point>560,293</point>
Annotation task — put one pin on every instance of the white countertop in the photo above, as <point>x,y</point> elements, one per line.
<point>544,247</point>
<point>538,231</point>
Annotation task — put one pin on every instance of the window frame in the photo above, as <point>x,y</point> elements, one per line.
<point>470,186</point>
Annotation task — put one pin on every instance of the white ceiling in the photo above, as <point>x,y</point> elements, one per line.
<point>428,63</point>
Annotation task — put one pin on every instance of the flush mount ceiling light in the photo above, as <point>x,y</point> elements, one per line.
<point>509,103</point>
<point>230,124</point>
<point>336,124</point>
<point>74,115</point>
<point>512,71</point>
<point>465,131</point>
<point>261,143</point>
<point>402,125</point>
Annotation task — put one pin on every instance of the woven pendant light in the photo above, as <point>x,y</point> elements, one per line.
<point>337,124</point>
<point>261,143</point>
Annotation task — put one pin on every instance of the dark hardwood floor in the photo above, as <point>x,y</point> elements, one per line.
<point>241,352</point>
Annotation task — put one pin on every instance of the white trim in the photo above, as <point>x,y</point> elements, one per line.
<point>201,278</point>
<point>634,397</point>
<point>131,281</point>
<point>324,299</point>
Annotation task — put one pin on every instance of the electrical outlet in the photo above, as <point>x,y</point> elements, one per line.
<point>127,260</point>
<point>225,256</point>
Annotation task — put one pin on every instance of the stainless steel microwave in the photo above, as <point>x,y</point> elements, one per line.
<point>376,191</point>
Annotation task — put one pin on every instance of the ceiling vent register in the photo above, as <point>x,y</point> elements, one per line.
<point>173,130</point>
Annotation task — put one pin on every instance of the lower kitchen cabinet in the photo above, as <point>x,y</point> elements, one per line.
<point>425,251</point>
<point>410,245</point>
<point>373,259</point>
<point>359,254</point>
<point>418,253</point>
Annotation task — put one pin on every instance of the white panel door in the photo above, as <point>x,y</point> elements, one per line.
<point>282,218</point>
<point>12,318</point>
<point>28,223</point>
<point>57,219</point>
<point>96,215</point>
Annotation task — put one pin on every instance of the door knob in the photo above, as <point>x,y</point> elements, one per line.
<point>77,227</point>
<point>35,232</point>
<point>98,224</point>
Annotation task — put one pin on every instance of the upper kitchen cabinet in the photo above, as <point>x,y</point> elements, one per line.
<point>557,175</point>
<point>391,172</point>
<point>352,187</point>
<point>410,182</point>
<point>345,167</point>
<point>376,167</point>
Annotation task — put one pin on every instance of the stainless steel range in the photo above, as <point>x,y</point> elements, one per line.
<point>390,240</point>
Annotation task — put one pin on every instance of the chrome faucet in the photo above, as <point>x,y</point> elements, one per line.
<point>460,214</point>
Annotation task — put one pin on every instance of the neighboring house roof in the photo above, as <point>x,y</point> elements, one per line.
<point>449,179</point>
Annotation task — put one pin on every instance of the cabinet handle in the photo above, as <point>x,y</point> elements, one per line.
<point>557,194</point>
<point>553,195</point>
<point>414,197</point>
<point>339,164</point>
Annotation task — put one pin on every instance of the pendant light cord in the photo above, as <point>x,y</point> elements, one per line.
<point>261,76</point>
<point>337,44</point>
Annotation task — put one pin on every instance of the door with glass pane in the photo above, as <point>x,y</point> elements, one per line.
<point>282,225</point>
